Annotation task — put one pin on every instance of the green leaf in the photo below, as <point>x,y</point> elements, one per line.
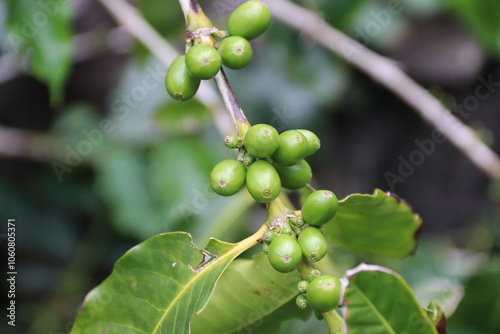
<point>482,17</point>
<point>44,27</point>
<point>157,286</point>
<point>179,175</point>
<point>479,310</point>
<point>437,317</point>
<point>250,291</point>
<point>130,202</point>
<point>377,300</point>
<point>378,224</point>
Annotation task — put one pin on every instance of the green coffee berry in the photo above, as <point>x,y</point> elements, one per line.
<point>284,253</point>
<point>179,83</point>
<point>302,286</point>
<point>231,142</point>
<point>313,274</point>
<point>261,140</point>
<point>268,236</point>
<point>301,301</point>
<point>228,177</point>
<point>319,207</point>
<point>295,176</point>
<point>235,52</point>
<point>323,293</point>
<point>313,142</point>
<point>248,159</point>
<point>286,230</point>
<point>249,20</point>
<point>292,148</point>
<point>203,62</point>
<point>313,244</point>
<point>263,182</point>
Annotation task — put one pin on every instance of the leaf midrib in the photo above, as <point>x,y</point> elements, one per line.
<point>236,250</point>
<point>377,313</point>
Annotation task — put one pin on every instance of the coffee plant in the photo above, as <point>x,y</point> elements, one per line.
<point>169,285</point>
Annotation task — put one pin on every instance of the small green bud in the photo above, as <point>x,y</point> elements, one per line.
<point>265,248</point>
<point>231,142</point>
<point>301,301</point>
<point>297,221</point>
<point>302,286</point>
<point>248,159</point>
<point>268,236</point>
<point>313,274</point>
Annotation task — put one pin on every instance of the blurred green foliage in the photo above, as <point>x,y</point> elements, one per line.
<point>150,173</point>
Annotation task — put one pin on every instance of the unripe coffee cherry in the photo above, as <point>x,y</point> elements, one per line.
<point>235,52</point>
<point>261,140</point>
<point>228,177</point>
<point>323,293</point>
<point>319,207</point>
<point>203,62</point>
<point>179,83</point>
<point>292,148</point>
<point>301,302</point>
<point>295,176</point>
<point>263,182</point>
<point>313,244</point>
<point>284,253</point>
<point>249,20</point>
<point>313,142</point>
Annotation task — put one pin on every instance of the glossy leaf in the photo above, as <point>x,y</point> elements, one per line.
<point>379,224</point>
<point>250,290</point>
<point>45,27</point>
<point>156,286</point>
<point>378,299</point>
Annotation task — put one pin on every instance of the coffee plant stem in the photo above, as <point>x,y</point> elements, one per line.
<point>334,321</point>
<point>196,19</point>
<point>232,104</point>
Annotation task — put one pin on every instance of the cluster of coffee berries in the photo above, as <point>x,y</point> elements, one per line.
<point>319,292</point>
<point>203,62</point>
<point>268,161</point>
<point>285,248</point>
